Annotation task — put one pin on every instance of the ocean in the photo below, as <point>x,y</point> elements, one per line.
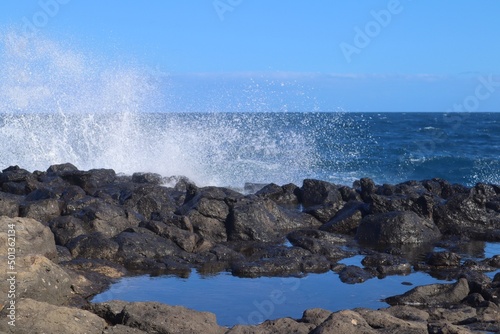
<point>231,149</point>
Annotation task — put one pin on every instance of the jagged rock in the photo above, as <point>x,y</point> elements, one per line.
<point>93,246</point>
<point>320,242</point>
<point>282,195</point>
<point>42,210</point>
<point>184,239</point>
<point>262,220</point>
<point>105,218</point>
<point>347,219</point>
<point>9,204</point>
<point>66,228</point>
<point>398,227</point>
<point>140,249</point>
<point>467,214</point>
<point>207,210</point>
<point>90,180</point>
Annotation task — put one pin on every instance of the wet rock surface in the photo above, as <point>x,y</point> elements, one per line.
<point>78,231</point>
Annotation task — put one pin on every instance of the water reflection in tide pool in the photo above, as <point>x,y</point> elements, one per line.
<point>237,300</point>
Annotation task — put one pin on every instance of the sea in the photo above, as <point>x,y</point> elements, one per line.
<point>60,104</point>
<point>231,149</point>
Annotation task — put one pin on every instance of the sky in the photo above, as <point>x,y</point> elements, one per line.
<point>409,47</point>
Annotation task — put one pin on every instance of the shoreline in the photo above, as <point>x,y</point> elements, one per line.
<point>75,232</point>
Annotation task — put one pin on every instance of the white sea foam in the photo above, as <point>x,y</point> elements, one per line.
<point>61,105</point>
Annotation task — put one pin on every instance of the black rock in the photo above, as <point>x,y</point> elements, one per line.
<point>399,227</point>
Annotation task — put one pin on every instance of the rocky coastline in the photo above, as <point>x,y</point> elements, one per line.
<point>75,232</point>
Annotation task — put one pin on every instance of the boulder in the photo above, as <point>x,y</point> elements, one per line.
<point>282,325</point>
<point>470,214</point>
<point>42,210</point>
<point>207,209</point>
<point>345,322</point>
<point>40,279</point>
<point>315,316</point>
<point>354,274</point>
<point>433,295</point>
<point>347,219</point>
<point>323,243</point>
<point>140,249</point>
<point>9,204</point>
<point>90,180</point>
<point>316,192</point>
<point>184,239</point>
<point>153,317</point>
<point>263,220</point>
<point>39,317</point>
<point>399,227</point>
<point>282,195</point>
<point>93,246</point>
<point>32,237</point>
<point>391,324</point>
<point>105,218</point>
<point>66,228</point>
<point>443,259</point>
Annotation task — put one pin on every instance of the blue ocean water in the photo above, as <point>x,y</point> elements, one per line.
<point>230,149</point>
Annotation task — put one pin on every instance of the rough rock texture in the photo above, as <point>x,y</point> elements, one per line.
<point>31,237</point>
<point>433,294</point>
<point>398,227</point>
<point>39,317</point>
<point>160,318</point>
<point>92,227</point>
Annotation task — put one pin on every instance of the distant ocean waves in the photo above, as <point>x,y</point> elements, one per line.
<point>229,149</point>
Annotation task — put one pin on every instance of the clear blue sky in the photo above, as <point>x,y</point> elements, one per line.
<point>405,37</point>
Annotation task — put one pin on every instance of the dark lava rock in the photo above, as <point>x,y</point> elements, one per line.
<point>387,264</point>
<point>467,214</point>
<point>184,239</point>
<point>93,246</point>
<point>147,178</point>
<point>42,210</point>
<point>263,220</point>
<point>281,266</point>
<point>433,295</point>
<point>321,243</point>
<point>282,195</point>
<point>400,227</point>
<point>89,180</point>
<point>347,219</point>
<point>66,228</point>
<point>443,259</point>
<point>208,210</point>
<point>9,204</point>
<point>316,192</point>
<point>354,274</point>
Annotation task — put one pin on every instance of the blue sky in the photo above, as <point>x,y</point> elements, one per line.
<point>379,43</point>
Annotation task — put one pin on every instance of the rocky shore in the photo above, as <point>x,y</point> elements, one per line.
<point>77,231</point>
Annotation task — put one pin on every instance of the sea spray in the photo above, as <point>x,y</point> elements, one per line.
<point>59,104</point>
